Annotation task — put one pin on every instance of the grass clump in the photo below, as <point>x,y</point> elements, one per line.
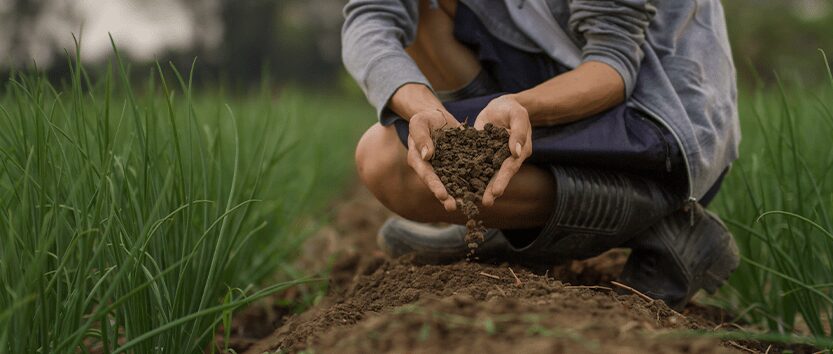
<point>139,220</point>
<point>778,201</point>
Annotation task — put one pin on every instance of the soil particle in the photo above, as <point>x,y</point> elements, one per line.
<point>465,160</point>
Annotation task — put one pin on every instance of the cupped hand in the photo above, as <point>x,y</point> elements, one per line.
<point>505,112</point>
<point>421,149</point>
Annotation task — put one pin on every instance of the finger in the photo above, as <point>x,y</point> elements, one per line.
<point>426,173</point>
<point>497,186</point>
<point>450,121</point>
<point>482,119</point>
<point>428,177</point>
<point>488,199</point>
<point>450,205</point>
<point>420,132</point>
<point>519,131</point>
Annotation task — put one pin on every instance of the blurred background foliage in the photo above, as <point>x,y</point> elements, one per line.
<point>236,43</point>
<point>782,35</point>
<point>297,41</point>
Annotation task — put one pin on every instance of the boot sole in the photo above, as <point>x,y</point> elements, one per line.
<point>418,257</point>
<point>394,247</point>
<point>495,246</point>
<point>722,268</point>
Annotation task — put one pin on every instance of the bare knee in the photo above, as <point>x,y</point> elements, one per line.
<point>382,167</point>
<point>379,156</point>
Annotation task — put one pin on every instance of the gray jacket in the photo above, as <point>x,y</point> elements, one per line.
<point>673,56</point>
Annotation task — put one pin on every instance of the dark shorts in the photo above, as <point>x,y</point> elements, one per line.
<point>621,138</point>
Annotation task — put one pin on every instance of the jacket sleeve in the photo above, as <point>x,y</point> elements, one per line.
<point>613,32</point>
<point>373,39</point>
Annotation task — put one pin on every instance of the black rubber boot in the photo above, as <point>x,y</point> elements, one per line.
<point>595,211</point>
<point>436,245</point>
<point>675,258</point>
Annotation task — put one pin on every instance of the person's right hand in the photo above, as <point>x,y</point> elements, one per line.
<point>421,149</point>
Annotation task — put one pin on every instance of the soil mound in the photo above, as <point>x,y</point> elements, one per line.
<point>467,307</point>
<point>379,305</point>
<point>465,160</point>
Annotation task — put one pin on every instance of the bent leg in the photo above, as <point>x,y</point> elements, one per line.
<point>445,62</point>
<point>382,167</point>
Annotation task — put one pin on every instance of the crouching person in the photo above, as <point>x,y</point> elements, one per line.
<point>622,119</point>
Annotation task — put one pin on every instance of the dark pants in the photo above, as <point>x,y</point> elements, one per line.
<point>620,139</point>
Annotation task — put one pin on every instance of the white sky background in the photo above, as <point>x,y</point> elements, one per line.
<point>142,29</point>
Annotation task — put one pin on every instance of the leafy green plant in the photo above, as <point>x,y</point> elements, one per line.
<point>139,220</point>
<point>778,201</point>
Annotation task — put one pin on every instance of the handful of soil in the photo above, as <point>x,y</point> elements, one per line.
<point>465,159</point>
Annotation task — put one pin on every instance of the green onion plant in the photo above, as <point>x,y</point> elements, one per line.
<point>778,202</point>
<point>138,219</point>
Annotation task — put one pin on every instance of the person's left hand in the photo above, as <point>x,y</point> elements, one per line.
<point>505,112</point>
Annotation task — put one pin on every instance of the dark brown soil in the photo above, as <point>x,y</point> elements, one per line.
<point>465,160</point>
<point>379,305</point>
<point>466,307</point>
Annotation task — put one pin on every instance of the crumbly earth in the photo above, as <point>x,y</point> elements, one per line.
<point>465,159</point>
<point>466,307</point>
<point>375,304</point>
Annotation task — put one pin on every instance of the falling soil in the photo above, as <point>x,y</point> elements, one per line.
<point>375,304</point>
<point>465,160</point>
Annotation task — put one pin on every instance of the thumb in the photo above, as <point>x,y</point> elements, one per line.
<point>518,131</point>
<point>420,132</point>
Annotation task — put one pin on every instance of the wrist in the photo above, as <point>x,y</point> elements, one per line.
<point>527,101</point>
<point>411,99</point>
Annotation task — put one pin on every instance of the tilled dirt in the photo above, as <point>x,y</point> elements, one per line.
<point>379,305</point>
<point>465,160</point>
<point>467,307</point>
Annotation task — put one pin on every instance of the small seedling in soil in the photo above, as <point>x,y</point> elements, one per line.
<point>465,160</point>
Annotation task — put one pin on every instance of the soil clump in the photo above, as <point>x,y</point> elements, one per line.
<point>465,159</point>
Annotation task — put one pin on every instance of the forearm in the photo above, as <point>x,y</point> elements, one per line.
<point>411,99</point>
<point>374,38</point>
<point>591,88</point>
<point>613,32</point>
